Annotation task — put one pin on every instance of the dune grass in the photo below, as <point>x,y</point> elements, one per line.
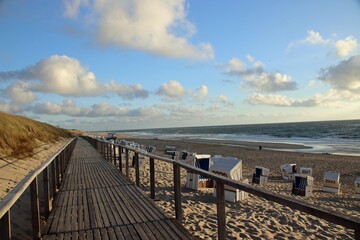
<point>20,135</point>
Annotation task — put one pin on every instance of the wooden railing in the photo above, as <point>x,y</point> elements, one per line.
<point>109,151</point>
<point>53,171</point>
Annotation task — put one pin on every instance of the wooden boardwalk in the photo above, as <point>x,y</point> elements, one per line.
<point>96,201</point>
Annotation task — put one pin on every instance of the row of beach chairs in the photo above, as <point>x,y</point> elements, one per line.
<point>303,181</point>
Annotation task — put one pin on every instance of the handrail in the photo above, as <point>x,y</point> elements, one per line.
<point>320,212</point>
<point>11,198</point>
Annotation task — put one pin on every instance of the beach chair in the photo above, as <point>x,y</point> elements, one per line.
<point>357,187</point>
<point>302,185</point>
<point>288,170</point>
<point>195,181</point>
<point>261,175</point>
<point>229,167</point>
<point>331,182</point>
<point>306,171</point>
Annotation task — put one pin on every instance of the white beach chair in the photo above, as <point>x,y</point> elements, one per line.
<point>261,175</point>
<point>357,187</point>
<point>229,167</point>
<point>288,170</point>
<point>331,182</point>
<point>302,185</point>
<point>306,171</point>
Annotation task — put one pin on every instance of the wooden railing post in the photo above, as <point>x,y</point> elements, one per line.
<point>177,193</point>
<point>152,178</point>
<point>120,158</point>
<point>53,176</point>
<point>57,159</point>
<point>5,226</point>
<point>137,170</point>
<point>35,211</point>
<point>46,192</point>
<point>220,203</point>
<point>114,146</point>
<point>127,162</point>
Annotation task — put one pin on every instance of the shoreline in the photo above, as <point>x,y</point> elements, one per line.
<point>282,146</point>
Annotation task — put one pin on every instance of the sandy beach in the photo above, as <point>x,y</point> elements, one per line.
<point>253,218</point>
<point>256,218</point>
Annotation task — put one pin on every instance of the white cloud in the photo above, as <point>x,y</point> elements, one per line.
<point>19,93</point>
<point>201,93</point>
<point>158,26</point>
<point>346,46</point>
<point>258,78</point>
<point>65,76</point>
<point>128,91</point>
<point>343,47</point>
<point>172,90</point>
<point>314,38</point>
<point>344,76</point>
<point>332,99</point>
<point>72,7</point>
<point>224,100</point>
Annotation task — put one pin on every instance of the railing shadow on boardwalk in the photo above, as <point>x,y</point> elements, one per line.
<point>109,150</point>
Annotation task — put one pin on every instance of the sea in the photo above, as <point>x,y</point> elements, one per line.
<point>326,137</point>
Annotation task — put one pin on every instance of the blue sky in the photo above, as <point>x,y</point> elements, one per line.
<point>109,64</point>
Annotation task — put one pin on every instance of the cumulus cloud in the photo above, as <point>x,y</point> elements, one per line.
<point>258,78</point>
<point>224,100</point>
<point>201,93</point>
<point>343,47</point>
<point>280,100</point>
<point>128,91</point>
<point>172,90</point>
<point>346,46</point>
<point>19,93</point>
<point>58,74</point>
<point>343,76</point>
<point>159,27</point>
<point>65,76</point>
<point>333,98</point>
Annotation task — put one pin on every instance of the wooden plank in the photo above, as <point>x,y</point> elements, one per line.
<point>35,211</point>
<point>152,178</point>
<point>46,193</point>
<point>137,170</point>
<point>220,206</point>
<point>177,193</point>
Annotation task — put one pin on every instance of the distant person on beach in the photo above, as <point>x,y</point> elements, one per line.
<point>260,147</point>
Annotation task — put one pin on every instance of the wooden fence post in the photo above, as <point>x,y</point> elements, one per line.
<point>177,191</point>
<point>53,176</point>
<point>35,211</point>
<point>57,159</point>
<point>5,226</point>
<point>46,192</point>
<point>152,178</point>
<point>114,146</point>
<point>137,170</point>
<point>127,162</point>
<point>221,217</point>
<point>120,158</point>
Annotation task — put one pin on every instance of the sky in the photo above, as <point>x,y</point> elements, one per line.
<point>132,64</point>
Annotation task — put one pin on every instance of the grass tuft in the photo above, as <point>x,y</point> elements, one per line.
<point>21,136</point>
